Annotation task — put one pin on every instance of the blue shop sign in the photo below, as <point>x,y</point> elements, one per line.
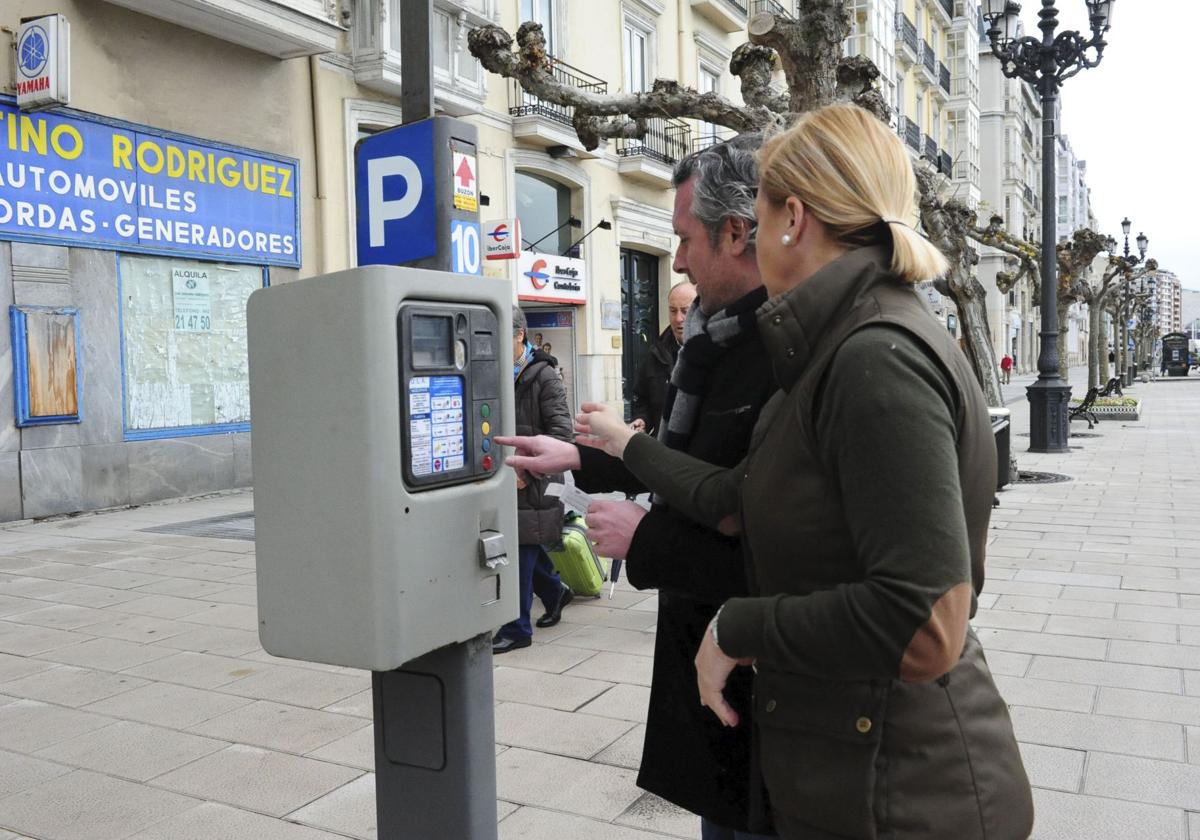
<point>69,178</point>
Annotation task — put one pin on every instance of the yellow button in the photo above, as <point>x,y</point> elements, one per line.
<point>863,725</point>
<point>770,705</point>
<point>487,428</point>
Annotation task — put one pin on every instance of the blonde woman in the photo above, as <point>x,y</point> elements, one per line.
<point>864,501</point>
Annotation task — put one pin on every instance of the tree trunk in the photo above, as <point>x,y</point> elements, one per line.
<point>972,315</point>
<point>1102,351</point>
<point>1094,358</point>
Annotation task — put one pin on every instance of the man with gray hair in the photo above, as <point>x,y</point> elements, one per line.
<point>719,384</point>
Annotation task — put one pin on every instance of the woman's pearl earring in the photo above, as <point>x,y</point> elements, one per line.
<point>787,239</point>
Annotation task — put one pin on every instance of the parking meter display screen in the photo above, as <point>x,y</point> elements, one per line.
<point>431,342</point>
<point>435,421</point>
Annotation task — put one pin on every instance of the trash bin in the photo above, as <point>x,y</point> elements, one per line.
<point>1002,429</point>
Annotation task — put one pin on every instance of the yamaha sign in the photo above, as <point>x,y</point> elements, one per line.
<point>43,62</point>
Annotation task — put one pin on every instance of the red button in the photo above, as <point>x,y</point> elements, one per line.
<point>487,462</point>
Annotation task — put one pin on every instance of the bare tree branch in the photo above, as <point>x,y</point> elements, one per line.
<point>530,65</point>
<point>754,66</point>
<point>809,49</point>
<point>948,225</point>
<point>995,236</point>
<point>858,81</point>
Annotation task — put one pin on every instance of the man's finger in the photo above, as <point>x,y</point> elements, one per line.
<point>724,712</point>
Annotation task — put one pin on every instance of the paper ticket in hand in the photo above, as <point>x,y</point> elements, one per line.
<point>571,496</point>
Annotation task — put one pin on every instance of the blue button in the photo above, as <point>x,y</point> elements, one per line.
<point>487,445</point>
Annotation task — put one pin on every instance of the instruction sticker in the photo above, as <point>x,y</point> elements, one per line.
<point>436,435</point>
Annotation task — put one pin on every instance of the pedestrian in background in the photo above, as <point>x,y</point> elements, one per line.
<point>1006,365</point>
<point>654,374</point>
<point>541,408</point>
<point>865,501</point>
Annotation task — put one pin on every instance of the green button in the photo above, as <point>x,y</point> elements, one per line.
<point>485,410</point>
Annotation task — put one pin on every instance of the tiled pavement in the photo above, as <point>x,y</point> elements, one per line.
<point>135,701</point>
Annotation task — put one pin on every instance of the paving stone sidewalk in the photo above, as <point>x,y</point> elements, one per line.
<point>135,701</point>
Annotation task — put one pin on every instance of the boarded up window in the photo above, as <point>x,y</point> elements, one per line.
<point>185,342</point>
<point>45,364</point>
<point>50,345</point>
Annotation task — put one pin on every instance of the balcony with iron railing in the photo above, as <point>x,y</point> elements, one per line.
<point>944,8</point>
<point>1028,135</point>
<point>282,28</point>
<point>929,63</point>
<point>727,15</point>
<point>944,78</point>
<point>1028,191</point>
<point>546,124</point>
<point>930,150</point>
<point>708,136</point>
<point>909,132</point>
<point>652,158</point>
<point>773,6</point>
<point>908,43</point>
<point>946,164</point>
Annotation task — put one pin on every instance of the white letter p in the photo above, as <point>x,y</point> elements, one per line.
<point>380,210</point>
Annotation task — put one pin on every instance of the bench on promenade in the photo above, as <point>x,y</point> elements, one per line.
<point>1112,387</point>
<point>1084,409</point>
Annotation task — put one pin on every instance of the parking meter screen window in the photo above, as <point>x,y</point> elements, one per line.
<point>431,343</point>
<point>436,432</point>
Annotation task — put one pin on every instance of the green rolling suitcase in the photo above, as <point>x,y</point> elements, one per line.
<point>577,562</point>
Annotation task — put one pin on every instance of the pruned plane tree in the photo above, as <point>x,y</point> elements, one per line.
<point>807,49</point>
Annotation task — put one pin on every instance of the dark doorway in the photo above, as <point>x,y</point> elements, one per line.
<point>639,316</point>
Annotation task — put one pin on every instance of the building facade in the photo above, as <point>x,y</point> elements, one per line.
<point>1010,187</point>
<point>224,132</point>
<point>1168,302</point>
<point>928,57</point>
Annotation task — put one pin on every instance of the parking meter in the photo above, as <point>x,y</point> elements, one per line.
<point>386,527</point>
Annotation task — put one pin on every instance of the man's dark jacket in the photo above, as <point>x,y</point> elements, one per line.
<point>689,758</point>
<point>650,390</point>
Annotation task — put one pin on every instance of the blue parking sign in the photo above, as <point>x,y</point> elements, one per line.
<point>395,195</point>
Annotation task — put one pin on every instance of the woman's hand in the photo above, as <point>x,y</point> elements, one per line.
<point>712,672</point>
<point>539,455</point>
<point>599,426</point>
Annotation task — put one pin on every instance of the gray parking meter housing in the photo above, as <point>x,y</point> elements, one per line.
<point>371,549</point>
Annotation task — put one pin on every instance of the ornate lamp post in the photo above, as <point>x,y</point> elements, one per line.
<point>1128,371</point>
<point>1046,63</point>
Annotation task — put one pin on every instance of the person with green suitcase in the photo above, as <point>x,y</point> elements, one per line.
<point>541,408</point>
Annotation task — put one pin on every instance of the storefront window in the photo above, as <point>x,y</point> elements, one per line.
<point>184,345</point>
<point>544,208</point>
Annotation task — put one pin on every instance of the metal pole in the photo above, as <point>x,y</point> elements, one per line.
<point>416,60</point>
<point>435,745</point>
<point>1049,395</point>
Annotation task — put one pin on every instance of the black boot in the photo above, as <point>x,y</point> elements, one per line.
<point>553,615</point>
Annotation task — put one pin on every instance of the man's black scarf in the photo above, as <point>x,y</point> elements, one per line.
<point>705,340</point>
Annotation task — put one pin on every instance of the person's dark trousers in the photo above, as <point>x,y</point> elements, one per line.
<point>709,830</point>
<point>537,578</point>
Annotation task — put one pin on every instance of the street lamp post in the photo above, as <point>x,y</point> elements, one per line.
<point>1128,370</point>
<point>1046,63</point>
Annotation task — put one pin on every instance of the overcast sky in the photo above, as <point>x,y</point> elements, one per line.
<point>1134,118</point>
